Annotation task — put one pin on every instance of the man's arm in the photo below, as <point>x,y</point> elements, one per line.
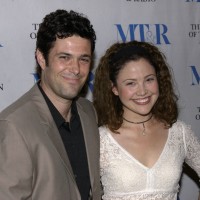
<point>15,164</point>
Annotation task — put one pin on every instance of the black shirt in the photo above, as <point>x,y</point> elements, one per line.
<point>73,140</point>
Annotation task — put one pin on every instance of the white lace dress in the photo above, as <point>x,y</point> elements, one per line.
<point>125,178</point>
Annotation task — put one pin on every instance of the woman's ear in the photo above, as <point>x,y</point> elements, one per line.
<point>114,89</point>
<point>40,59</point>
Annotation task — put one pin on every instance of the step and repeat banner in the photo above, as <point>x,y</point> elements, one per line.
<point>172,25</point>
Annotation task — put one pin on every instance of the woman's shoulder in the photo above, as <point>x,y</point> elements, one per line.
<point>105,133</point>
<point>181,129</point>
<point>179,124</point>
<point>103,130</point>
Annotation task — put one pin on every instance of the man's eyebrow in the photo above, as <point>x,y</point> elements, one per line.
<point>86,55</point>
<point>63,53</point>
<point>69,54</point>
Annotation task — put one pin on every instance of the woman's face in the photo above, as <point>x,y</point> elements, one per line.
<point>137,87</point>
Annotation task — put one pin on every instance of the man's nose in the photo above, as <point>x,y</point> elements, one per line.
<point>75,66</point>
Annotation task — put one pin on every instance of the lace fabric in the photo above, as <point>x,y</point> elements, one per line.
<point>125,178</point>
<point>149,196</point>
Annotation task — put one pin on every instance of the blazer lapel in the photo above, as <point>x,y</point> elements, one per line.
<point>54,135</point>
<point>51,128</point>
<point>89,137</point>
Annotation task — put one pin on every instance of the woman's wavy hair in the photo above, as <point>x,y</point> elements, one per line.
<point>62,24</point>
<point>109,107</point>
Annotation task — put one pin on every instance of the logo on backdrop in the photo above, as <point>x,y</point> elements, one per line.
<point>90,81</point>
<point>142,0</point>
<point>33,34</point>
<point>154,33</point>
<point>1,86</point>
<point>35,77</point>
<point>192,1</point>
<point>195,76</point>
<point>195,31</point>
<point>198,115</point>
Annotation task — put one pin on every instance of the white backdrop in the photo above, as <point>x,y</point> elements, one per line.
<point>173,25</point>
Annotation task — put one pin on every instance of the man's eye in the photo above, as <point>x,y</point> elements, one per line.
<point>131,83</point>
<point>64,57</point>
<point>86,60</point>
<point>150,79</point>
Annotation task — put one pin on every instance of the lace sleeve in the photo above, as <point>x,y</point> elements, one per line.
<point>192,147</point>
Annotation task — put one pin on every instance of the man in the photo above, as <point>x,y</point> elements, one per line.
<point>49,143</point>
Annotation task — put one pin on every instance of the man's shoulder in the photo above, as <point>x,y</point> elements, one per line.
<point>85,105</point>
<point>82,100</point>
<point>22,103</point>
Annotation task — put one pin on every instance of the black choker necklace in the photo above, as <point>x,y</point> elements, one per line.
<point>143,131</point>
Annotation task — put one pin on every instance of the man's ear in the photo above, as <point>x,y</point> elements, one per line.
<point>40,59</point>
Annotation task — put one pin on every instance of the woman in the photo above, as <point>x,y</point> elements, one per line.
<point>143,145</point>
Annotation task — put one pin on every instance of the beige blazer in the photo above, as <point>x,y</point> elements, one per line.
<point>33,161</point>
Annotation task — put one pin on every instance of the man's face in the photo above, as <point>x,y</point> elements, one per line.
<point>68,66</point>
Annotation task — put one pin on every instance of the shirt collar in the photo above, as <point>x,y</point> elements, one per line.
<point>58,118</point>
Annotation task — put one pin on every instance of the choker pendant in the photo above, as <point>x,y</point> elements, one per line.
<point>143,131</point>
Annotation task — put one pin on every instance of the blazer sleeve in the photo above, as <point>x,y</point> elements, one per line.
<point>15,164</point>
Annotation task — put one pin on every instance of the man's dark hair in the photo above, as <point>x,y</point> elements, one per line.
<point>62,24</point>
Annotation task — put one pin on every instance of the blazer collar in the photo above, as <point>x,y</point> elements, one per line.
<point>50,127</point>
<point>89,140</point>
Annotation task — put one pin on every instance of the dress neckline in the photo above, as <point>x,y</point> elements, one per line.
<point>136,160</point>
